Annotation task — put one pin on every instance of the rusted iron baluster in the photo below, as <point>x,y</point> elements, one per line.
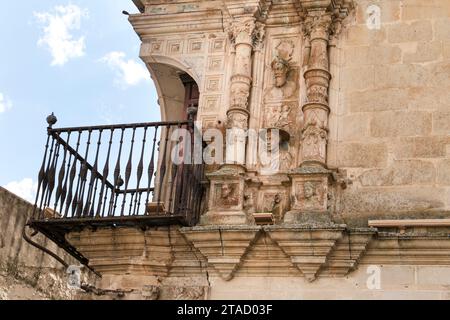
<point>105,200</point>
<point>105,176</point>
<point>45,179</point>
<point>41,178</point>
<point>61,176</point>
<point>140,171</point>
<point>128,169</point>
<point>83,176</point>
<point>162,169</point>
<point>93,180</point>
<point>73,172</point>
<point>151,167</point>
<point>52,172</point>
<point>114,195</point>
<point>64,187</point>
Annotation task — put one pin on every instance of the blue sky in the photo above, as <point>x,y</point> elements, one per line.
<point>76,58</point>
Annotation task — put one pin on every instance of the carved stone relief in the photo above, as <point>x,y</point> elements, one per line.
<point>280,116</point>
<point>250,200</point>
<point>227,195</point>
<point>189,293</point>
<point>150,292</point>
<point>274,202</point>
<point>310,194</point>
<point>285,76</point>
<point>237,121</point>
<point>239,96</point>
<point>314,141</point>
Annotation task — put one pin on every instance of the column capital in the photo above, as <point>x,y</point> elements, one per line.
<point>246,30</point>
<point>323,18</point>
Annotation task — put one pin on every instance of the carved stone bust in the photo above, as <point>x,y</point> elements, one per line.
<point>226,195</point>
<point>280,69</point>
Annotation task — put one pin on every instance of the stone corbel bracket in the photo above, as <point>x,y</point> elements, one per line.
<point>348,251</point>
<point>125,250</point>
<point>223,246</point>
<point>307,246</point>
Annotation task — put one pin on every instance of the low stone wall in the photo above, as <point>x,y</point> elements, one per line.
<point>25,271</point>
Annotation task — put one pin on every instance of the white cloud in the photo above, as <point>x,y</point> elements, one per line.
<point>5,103</point>
<point>129,72</point>
<point>58,24</point>
<point>25,189</point>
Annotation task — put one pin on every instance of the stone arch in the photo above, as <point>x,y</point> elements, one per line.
<point>173,81</point>
<point>166,72</point>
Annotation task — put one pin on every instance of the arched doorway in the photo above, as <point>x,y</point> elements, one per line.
<point>178,98</point>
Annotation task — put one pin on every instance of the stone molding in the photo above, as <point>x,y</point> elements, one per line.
<point>320,250</point>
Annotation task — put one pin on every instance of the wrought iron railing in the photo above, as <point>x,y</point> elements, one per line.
<point>114,172</point>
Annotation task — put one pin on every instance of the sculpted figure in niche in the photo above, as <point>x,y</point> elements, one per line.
<point>285,156</point>
<point>227,196</point>
<point>279,156</point>
<point>249,202</point>
<point>313,137</point>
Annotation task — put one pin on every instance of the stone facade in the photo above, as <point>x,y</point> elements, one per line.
<point>360,199</point>
<point>362,96</point>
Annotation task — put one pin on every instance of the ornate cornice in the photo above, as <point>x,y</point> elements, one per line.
<point>248,8</point>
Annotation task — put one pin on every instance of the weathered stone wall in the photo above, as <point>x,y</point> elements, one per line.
<point>390,111</point>
<point>26,272</point>
<point>397,282</point>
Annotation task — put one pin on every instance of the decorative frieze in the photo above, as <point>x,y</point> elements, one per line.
<point>316,250</point>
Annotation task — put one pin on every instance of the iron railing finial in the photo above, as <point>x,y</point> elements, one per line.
<point>51,120</point>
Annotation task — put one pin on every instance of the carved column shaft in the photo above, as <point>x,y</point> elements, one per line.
<point>242,34</point>
<point>317,77</point>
